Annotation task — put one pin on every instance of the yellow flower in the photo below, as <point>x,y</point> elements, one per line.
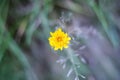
<point>59,39</point>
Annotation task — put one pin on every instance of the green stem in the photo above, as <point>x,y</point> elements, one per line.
<point>71,55</point>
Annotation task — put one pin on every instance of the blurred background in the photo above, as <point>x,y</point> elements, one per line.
<point>93,53</point>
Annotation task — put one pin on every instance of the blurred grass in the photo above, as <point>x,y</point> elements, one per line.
<point>105,25</point>
<point>24,21</point>
<point>3,17</point>
<point>8,44</point>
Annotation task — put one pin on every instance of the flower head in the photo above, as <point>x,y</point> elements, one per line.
<point>59,39</point>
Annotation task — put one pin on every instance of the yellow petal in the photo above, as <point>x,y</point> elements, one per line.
<point>61,48</point>
<point>66,46</point>
<point>51,33</point>
<point>59,44</point>
<point>69,38</point>
<point>55,49</point>
<point>59,29</point>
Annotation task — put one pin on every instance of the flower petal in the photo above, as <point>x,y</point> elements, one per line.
<point>59,39</point>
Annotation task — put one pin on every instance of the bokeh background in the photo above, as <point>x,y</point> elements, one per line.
<point>93,53</point>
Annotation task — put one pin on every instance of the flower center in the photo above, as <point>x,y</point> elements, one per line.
<point>59,39</point>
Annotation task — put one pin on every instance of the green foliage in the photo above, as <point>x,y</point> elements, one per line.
<point>26,22</point>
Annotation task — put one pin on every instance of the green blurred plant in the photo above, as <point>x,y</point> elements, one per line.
<point>36,21</point>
